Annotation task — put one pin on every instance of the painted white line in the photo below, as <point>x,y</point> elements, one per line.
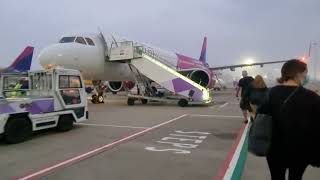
<point>107,125</point>
<point>236,155</point>
<point>93,152</point>
<point>223,105</point>
<point>226,171</point>
<point>208,115</point>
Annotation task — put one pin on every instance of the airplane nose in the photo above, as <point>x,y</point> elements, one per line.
<point>50,56</point>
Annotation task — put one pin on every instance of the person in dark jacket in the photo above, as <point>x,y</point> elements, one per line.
<point>296,127</point>
<point>242,86</point>
<point>256,94</point>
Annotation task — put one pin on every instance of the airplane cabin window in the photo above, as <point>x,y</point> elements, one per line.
<point>89,41</point>
<point>81,40</point>
<point>67,39</point>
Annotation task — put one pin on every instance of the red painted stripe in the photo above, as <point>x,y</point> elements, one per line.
<point>92,153</point>
<point>223,169</point>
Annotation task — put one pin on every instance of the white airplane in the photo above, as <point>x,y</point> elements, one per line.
<point>90,54</point>
<point>86,52</point>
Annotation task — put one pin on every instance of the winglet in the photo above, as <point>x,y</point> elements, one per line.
<point>203,55</point>
<point>23,61</point>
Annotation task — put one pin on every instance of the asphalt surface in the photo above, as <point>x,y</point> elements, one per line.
<point>152,141</point>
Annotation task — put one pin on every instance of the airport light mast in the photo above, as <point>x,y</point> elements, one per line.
<point>311,44</point>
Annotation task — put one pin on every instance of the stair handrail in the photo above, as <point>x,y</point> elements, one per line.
<point>151,52</point>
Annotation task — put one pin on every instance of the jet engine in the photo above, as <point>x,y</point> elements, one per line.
<point>200,77</point>
<point>116,86</point>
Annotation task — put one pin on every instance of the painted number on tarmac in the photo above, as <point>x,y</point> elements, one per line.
<point>181,142</point>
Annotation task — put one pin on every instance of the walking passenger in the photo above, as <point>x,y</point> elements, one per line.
<point>256,94</point>
<point>242,86</point>
<point>295,115</point>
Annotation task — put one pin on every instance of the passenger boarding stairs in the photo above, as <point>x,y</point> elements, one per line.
<point>143,61</point>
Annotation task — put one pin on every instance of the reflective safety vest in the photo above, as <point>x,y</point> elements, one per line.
<point>16,89</point>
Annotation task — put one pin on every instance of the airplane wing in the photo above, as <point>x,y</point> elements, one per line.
<point>232,67</point>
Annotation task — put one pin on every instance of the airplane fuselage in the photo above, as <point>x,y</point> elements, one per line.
<point>91,60</point>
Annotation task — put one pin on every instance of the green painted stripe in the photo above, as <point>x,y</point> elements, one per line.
<point>237,173</point>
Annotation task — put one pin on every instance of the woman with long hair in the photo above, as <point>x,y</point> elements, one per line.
<point>256,94</point>
<point>295,115</point>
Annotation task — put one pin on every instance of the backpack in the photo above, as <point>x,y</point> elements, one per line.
<point>257,96</point>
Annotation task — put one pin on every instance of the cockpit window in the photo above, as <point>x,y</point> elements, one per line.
<point>81,40</point>
<point>89,41</point>
<point>67,40</point>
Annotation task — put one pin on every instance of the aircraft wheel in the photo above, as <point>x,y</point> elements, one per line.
<point>94,99</point>
<point>130,101</point>
<point>144,101</point>
<point>17,129</point>
<point>182,102</point>
<point>100,99</point>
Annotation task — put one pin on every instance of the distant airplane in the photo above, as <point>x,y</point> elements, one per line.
<point>90,54</point>
<point>21,63</point>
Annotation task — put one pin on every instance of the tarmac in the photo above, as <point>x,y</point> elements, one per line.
<point>153,141</point>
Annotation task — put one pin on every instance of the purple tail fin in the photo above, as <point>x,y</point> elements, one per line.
<point>22,62</point>
<point>203,55</point>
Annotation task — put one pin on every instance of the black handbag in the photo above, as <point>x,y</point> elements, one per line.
<point>260,132</point>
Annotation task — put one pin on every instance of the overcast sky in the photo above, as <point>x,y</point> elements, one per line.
<point>236,29</point>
